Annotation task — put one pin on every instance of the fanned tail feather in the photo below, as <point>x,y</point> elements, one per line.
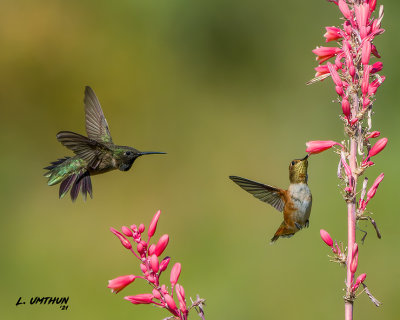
<point>66,184</point>
<point>54,165</point>
<point>77,182</point>
<point>283,231</point>
<point>72,176</point>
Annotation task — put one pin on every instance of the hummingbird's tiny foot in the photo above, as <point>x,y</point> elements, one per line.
<point>298,226</point>
<point>307,223</point>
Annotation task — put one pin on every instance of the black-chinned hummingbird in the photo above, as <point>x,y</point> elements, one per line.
<point>94,154</point>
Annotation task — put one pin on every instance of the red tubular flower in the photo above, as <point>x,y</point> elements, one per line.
<point>360,279</point>
<point>326,237</point>
<point>372,5</point>
<point>161,245</point>
<point>171,303</point>
<point>325,53</point>
<point>366,52</point>
<point>321,69</point>
<point>371,192</point>
<point>332,34</point>
<point>354,260</point>
<point>180,293</point>
<point>175,273</point>
<point>373,134</point>
<point>344,8</point>
<point>123,240</point>
<point>375,85</point>
<point>153,224</point>
<point>164,263</point>
<point>365,80</point>
<point>144,298</point>
<point>335,75</point>
<point>362,15</point>
<point>317,146</point>
<point>346,107</point>
<point>376,67</point>
<point>119,283</point>
<point>375,51</point>
<point>378,147</point>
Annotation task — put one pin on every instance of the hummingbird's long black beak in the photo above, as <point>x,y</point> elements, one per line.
<point>150,152</point>
<point>305,157</point>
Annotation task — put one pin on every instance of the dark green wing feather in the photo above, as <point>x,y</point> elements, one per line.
<point>89,150</point>
<point>265,193</point>
<point>96,123</point>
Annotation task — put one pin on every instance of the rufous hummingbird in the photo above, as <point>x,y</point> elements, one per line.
<point>94,154</point>
<point>294,203</point>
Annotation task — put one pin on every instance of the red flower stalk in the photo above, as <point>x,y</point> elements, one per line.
<point>356,81</point>
<point>151,268</point>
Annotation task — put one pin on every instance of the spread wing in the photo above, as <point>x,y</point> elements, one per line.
<point>96,123</point>
<point>89,150</point>
<point>265,193</point>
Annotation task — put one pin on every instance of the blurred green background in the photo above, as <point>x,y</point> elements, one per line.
<point>220,86</point>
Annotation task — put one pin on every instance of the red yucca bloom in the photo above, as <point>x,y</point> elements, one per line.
<point>356,81</point>
<point>148,256</point>
<point>314,147</point>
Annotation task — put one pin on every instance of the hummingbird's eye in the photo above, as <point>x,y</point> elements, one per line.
<point>293,163</point>
<point>127,153</point>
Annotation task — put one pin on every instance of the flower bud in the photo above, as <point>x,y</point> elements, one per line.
<point>143,268</point>
<point>361,278</point>
<point>126,231</point>
<point>354,260</point>
<point>346,107</point>
<point>170,303</point>
<point>339,90</point>
<point>164,263</point>
<point>373,134</point>
<point>374,51</point>
<point>123,240</point>
<point>153,224</point>
<point>161,245</point>
<point>140,248</point>
<point>180,293</point>
<point>141,228</point>
<point>154,263</point>
<point>151,250</point>
<point>156,294</point>
<point>374,187</point>
<point>144,298</point>
<point>326,237</point>
<point>378,147</point>
<point>353,121</point>
<point>175,272</point>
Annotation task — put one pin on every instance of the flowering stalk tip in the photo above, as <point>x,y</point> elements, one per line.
<point>152,268</point>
